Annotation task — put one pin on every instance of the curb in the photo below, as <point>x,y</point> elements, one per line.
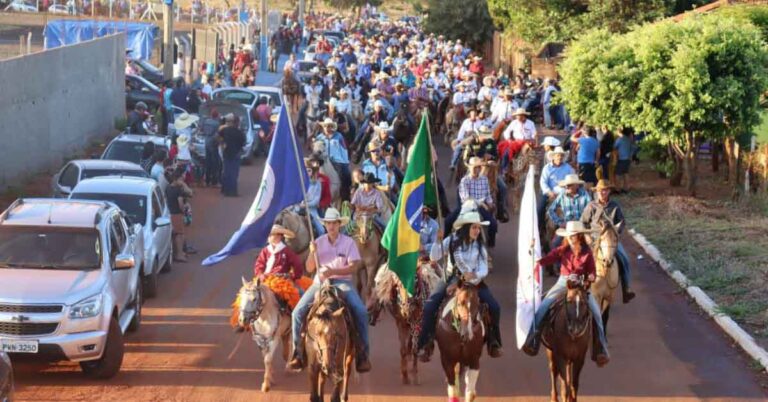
<point>726,323</point>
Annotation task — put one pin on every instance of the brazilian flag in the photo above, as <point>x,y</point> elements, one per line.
<point>401,237</point>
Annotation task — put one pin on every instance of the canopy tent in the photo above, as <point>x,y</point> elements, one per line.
<point>139,37</point>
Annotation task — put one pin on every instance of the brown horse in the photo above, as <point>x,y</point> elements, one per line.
<point>298,224</point>
<point>607,279</point>
<point>460,338</point>
<point>368,239</point>
<point>517,171</point>
<point>453,118</point>
<point>566,336</point>
<point>330,345</point>
<point>406,310</point>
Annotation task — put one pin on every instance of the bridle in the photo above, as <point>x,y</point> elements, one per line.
<point>332,347</point>
<point>250,317</point>
<point>568,322</point>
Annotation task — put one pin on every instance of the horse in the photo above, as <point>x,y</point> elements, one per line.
<point>441,109</point>
<point>607,267</point>
<point>330,345</point>
<point>406,310</point>
<point>356,111</point>
<point>567,335</point>
<point>258,311</point>
<point>368,239</point>
<point>460,337</point>
<point>293,221</point>
<point>453,119</point>
<point>518,169</point>
<point>318,147</point>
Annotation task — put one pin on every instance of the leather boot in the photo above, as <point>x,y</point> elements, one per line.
<point>532,342</point>
<point>425,353</point>
<point>599,353</point>
<point>297,360</point>
<point>362,364</point>
<point>627,294</point>
<point>494,343</point>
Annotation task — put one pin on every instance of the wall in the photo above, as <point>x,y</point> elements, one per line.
<point>54,103</point>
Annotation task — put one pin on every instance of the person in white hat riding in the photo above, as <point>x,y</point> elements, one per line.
<point>552,174</point>
<point>471,124</point>
<point>339,261</point>
<point>468,261</point>
<point>504,107</point>
<point>475,187</point>
<point>576,261</point>
<point>337,152</point>
<point>522,128</point>
<point>462,97</point>
<point>377,166</point>
<point>570,202</point>
<point>375,100</point>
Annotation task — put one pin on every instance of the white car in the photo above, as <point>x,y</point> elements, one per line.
<point>74,171</point>
<point>60,9</point>
<point>309,53</point>
<point>21,6</point>
<point>143,202</point>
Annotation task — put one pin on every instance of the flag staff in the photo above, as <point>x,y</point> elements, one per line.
<point>437,191</point>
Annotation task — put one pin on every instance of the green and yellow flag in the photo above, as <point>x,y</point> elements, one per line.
<point>401,237</point>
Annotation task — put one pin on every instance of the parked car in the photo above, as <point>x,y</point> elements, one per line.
<point>21,7</point>
<point>273,93</point>
<point>309,52</point>
<point>6,378</point>
<point>225,106</point>
<point>148,71</point>
<point>138,89</point>
<point>143,202</point>
<point>59,9</point>
<point>128,147</point>
<point>71,289</point>
<point>80,169</point>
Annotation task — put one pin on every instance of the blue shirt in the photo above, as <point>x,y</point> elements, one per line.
<point>623,147</point>
<point>551,175</point>
<point>571,207</point>
<point>548,94</point>
<point>428,233</point>
<point>399,99</point>
<point>381,172</point>
<point>335,147</point>
<point>588,147</point>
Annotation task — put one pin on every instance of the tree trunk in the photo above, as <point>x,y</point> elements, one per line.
<point>689,163</point>
<point>715,151</point>
<point>676,178</point>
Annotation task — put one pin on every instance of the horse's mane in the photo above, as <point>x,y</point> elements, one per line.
<point>386,280</point>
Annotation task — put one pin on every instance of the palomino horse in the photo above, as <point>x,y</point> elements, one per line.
<point>607,279</point>
<point>566,335</point>
<point>460,337</point>
<point>406,310</point>
<point>330,344</point>
<point>318,147</point>
<point>298,224</point>
<point>368,239</point>
<point>259,312</point>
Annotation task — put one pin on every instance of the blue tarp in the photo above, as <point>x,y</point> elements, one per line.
<point>139,36</point>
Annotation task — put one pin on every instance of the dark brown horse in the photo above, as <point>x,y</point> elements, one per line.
<point>460,337</point>
<point>330,345</point>
<point>566,336</point>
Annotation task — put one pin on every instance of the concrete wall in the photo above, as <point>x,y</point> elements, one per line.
<point>53,103</point>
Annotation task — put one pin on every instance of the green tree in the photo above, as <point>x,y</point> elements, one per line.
<point>467,20</point>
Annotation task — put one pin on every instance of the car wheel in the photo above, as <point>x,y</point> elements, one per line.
<point>168,266</point>
<point>150,283</point>
<point>112,358</point>
<point>138,301</point>
<point>248,160</point>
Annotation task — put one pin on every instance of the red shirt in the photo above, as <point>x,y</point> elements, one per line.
<point>513,147</point>
<point>285,261</point>
<point>477,68</point>
<point>570,263</point>
<point>325,191</point>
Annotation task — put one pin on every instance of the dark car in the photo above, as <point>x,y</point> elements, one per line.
<point>148,71</point>
<point>6,378</point>
<point>138,89</point>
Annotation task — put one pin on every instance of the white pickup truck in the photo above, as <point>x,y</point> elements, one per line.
<point>71,282</point>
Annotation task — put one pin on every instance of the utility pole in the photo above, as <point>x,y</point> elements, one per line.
<point>168,39</point>
<point>264,36</point>
<point>302,4</point>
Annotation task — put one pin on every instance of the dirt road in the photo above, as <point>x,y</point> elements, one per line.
<point>662,348</point>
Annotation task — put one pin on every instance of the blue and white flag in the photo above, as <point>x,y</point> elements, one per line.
<point>279,189</point>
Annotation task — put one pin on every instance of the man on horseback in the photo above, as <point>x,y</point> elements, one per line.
<point>377,166</point>
<point>475,187</point>
<point>571,203</point>
<point>315,193</point>
<point>337,152</point>
<point>575,259</point>
<point>606,208</point>
<point>471,124</point>
<point>339,261</point>
<point>468,259</point>
<point>369,200</point>
<point>376,100</point>
<point>552,174</point>
<point>504,107</point>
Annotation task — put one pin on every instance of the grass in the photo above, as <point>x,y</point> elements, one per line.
<point>761,131</point>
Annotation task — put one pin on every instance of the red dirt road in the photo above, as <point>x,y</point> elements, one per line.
<point>662,348</point>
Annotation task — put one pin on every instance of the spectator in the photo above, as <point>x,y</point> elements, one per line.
<point>233,140</point>
<point>623,147</point>
<point>587,155</point>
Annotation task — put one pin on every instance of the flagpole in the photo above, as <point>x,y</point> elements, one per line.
<point>437,191</point>
<point>303,185</point>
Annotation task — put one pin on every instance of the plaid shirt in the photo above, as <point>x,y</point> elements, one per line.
<point>476,189</point>
<point>572,207</point>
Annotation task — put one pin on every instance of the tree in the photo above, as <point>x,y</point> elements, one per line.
<point>467,20</point>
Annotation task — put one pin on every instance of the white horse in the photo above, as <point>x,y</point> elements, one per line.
<point>318,147</point>
<point>259,312</point>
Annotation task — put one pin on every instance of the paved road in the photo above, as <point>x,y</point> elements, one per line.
<point>662,348</point>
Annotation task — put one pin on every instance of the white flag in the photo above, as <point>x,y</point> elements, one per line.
<point>528,251</point>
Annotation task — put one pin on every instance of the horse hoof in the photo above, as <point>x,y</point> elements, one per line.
<point>265,387</point>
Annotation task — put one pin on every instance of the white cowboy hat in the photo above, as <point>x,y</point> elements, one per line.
<point>484,131</point>
<point>572,228</point>
<point>331,102</point>
<point>382,76</point>
<point>277,229</point>
<point>469,217</point>
<point>475,162</point>
<point>551,141</point>
<point>378,103</point>
<point>329,122</point>
<point>383,126</point>
<point>184,121</point>
<point>352,67</point>
<point>520,111</point>
<point>182,141</point>
<point>570,179</point>
<point>489,80</point>
<point>556,151</point>
<point>333,215</point>
<point>374,92</point>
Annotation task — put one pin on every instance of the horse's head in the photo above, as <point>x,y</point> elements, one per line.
<point>607,241</point>
<point>577,314</point>
<point>467,309</point>
<point>251,302</point>
<point>364,227</point>
<point>327,331</point>
<point>318,147</point>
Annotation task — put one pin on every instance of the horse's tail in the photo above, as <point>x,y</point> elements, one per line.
<point>384,282</point>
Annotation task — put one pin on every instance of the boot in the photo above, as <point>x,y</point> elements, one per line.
<point>296,363</point>
<point>362,364</point>
<point>627,294</point>
<point>532,342</point>
<point>494,343</point>
<point>599,353</point>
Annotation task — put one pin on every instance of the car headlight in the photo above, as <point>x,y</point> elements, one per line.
<point>90,307</point>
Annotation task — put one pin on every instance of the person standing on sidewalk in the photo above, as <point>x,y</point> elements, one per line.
<point>233,140</point>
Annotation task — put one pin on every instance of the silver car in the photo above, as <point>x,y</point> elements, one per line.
<point>224,107</point>
<point>74,171</point>
<point>143,202</point>
<point>71,287</point>
<point>6,378</point>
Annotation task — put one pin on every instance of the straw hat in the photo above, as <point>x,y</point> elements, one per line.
<point>489,80</point>
<point>484,132</point>
<point>184,121</point>
<point>520,111</point>
<point>572,228</point>
<point>374,92</point>
<point>508,92</point>
<point>570,179</point>
<point>551,141</point>
<point>182,141</point>
<point>557,151</point>
<point>383,126</point>
<point>352,67</point>
<point>373,146</point>
<point>468,218</point>
<point>328,122</point>
<point>277,229</point>
<point>604,184</point>
<point>333,215</point>
<point>475,162</point>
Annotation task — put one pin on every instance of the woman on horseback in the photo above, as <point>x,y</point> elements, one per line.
<point>369,200</point>
<point>468,259</point>
<point>575,258</point>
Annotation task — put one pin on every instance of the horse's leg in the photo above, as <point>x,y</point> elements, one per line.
<point>336,395</point>
<point>552,376</point>
<point>470,383</point>
<point>449,368</point>
<point>315,393</point>
<point>577,366</point>
<point>569,381</point>
<point>414,356</point>
<point>286,338</point>
<point>321,379</point>
<point>402,333</point>
<point>606,314</point>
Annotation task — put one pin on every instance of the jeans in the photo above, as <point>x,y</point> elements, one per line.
<point>351,298</point>
<point>212,166</point>
<point>547,115</point>
<point>541,209</point>
<point>229,176</point>
<point>554,292</point>
<point>346,179</point>
<point>501,197</point>
<point>317,225</point>
<point>624,271</point>
<point>486,216</point>
<point>456,156</point>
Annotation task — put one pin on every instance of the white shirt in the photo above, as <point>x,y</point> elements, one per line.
<point>467,126</point>
<point>460,98</point>
<point>486,94</point>
<point>520,131</point>
<point>503,109</point>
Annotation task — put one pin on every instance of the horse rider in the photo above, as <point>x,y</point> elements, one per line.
<point>337,153</point>
<point>605,208</point>
<point>377,166</point>
<point>575,258</point>
<point>503,109</point>
<point>279,260</point>
<point>378,115</point>
<point>571,203</point>
<point>468,258</point>
<point>339,260</point>
<point>488,92</point>
<point>470,124</point>
<point>313,93</point>
<point>401,100</point>
<point>522,128</point>
<point>374,99</point>
<point>485,148</point>
<point>369,200</point>
<point>427,232</point>
<point>552,174</point>
<point>462,98</point>
<point>475,187</point>
<point>315,193</point>
<point>344,103</point>
<point>355,91</point>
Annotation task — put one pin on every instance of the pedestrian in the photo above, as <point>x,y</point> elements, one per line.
<point>587,155</point>
<point>233,140</point>
<point>136,119</point>
<point>623,147</point>
<point>177,194</point>
<point>157,171</point>
<point>147,156</point>
<point>210,129</point>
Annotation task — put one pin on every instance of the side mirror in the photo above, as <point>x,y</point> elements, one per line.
<point>124,261</point>
<point>65,190</point>
<point>162,221</point>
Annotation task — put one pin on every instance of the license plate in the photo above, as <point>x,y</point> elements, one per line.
<point>15,346</point>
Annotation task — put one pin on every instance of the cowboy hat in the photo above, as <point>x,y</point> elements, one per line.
<point>229,117</point>
<point>557,151</point>
<point>551,141</point>
<point>520,111</point>
<point>184,121</point>
<point>604,184</point>
<point>569,180</point>
<point>468,218</point>
<point>382,76</point>
<point>484,131</point>
<point>182,141</point>
<point>572,228</point>
<point>314,161</point>
<point>383,126</point>
<point>373,146</point>
<point>328,122</point>
<point>374,92</point>
<point>370,178</point>
<point>489,80</point>
<point>475,162</point>
<point>277,229</point>
<point>333,215</point>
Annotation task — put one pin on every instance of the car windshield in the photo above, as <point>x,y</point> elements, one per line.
<point>88,173</point>
<point>128,151</point>
<point>134,206</point>
<point>49,247</point>
<point>242,97</point>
